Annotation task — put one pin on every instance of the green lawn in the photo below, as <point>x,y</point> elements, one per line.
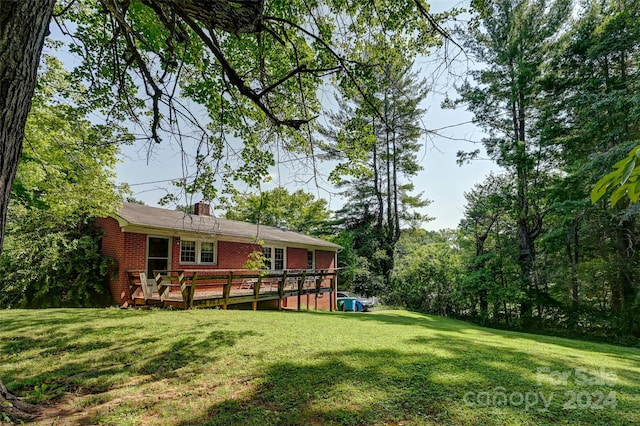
<point>111,366</point>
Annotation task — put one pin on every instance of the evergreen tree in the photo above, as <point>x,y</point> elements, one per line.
<point>512,41</point>
<point>375,142</point>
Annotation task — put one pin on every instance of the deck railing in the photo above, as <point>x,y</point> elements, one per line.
<point>192,288</point>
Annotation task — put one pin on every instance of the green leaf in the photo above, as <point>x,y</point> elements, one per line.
<point>601,187</point>
<point>618,194</point>
<point>628,168</point>
<point>634,191</point>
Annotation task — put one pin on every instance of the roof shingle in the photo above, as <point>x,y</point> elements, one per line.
<point>140,215</point>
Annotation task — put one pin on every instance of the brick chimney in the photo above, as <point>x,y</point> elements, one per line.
<point>202,209</point>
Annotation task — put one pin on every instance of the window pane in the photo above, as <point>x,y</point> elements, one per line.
<point>156,264</point>
<point>309,259</point>
<point>206,253</point>
<point>187,251</point>
<point>158,247</point>
<point>266,257</point>
<point>278,261</point>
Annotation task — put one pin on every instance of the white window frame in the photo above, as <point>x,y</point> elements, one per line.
<point>313,259</point>
<point>215,251</point>
<point>195,252</point>
<point>199,252</point>
<point>272,250</point>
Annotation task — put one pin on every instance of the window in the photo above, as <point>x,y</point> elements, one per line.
<point>200,252</point>
<point>266,257</point>
<point>310,259</point>
<point>273,258</point>
<point>206,252</point>
<point>278,259</point>
<point>187,251</point>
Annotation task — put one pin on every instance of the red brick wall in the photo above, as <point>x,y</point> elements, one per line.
<point>135,251</point>
<point>112,245</point>
<point>296,258</point>
<point>234,255</point>
<point>323,302</point>
<point>325,259</point>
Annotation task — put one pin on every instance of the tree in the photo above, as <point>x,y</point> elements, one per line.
<point>298,211</point>
<point>598,73</point>
<point>426,272</point>
<point>512,41</point>
<point>376,140</point>
<point>65,178</point>
<point>23,26</point>
<point>250,65</point>
<point>614,41</point>
<point>484,210</point>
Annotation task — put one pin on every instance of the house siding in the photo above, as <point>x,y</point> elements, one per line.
<point>296,258</point>
<point>325,259</point>
<point>129,251</point>
<point>323,302</point>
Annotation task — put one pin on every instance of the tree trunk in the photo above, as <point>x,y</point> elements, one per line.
<point>480,240</point>
<point>623,293</point>
<point>572,240</point>
<point>230,16</point>
<point>17,410</point>
<point>23,27</point>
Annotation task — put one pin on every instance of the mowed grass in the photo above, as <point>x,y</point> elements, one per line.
<point>212,367</point>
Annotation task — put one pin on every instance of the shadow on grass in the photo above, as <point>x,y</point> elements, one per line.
<point>97,365</point>
<point>425,380</point>
<point>407,386</point>
<point>190,349</point>
<point>57,317</point>
<point>460,326</point>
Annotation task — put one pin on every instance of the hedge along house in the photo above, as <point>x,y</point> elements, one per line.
<point>145,240</point>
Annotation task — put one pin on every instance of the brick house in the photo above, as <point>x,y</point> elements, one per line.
<point>147,238</point>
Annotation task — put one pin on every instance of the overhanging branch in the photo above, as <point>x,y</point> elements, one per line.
<point>234,78</point>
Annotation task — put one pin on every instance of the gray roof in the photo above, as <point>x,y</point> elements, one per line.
<point>132,214</point>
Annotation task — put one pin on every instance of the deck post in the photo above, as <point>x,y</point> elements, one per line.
<point>318,287</point>
<point>331,284</point>
<point>301,282</point>
<point>227,290</point>
<point>192,289</point>
<point>281,289</point>
<point>315,277</point>
<point>256,293</point>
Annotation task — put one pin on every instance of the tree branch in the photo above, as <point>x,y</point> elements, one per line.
<point>156,93</point>
<point>339,58</point>
<point>232,16</point>
<point>235,79</point>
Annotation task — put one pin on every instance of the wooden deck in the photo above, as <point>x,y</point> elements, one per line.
<point>187,289</point>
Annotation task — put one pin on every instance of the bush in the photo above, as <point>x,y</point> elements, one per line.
<point>44,265</point>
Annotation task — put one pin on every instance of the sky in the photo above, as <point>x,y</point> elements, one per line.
<point>441,180</point>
